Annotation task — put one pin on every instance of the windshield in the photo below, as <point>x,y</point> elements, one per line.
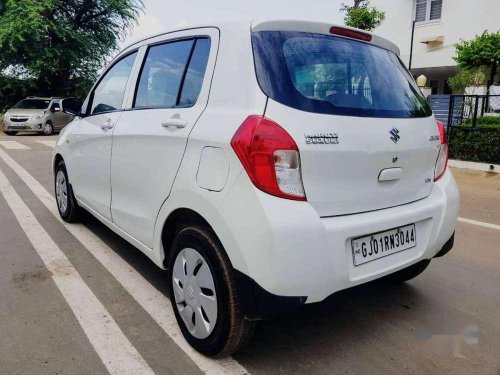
<point>32,104</point>
<point>333,75</point>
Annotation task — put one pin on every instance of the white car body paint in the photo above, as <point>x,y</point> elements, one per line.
<point>289,248</point>
<point>213,169</point>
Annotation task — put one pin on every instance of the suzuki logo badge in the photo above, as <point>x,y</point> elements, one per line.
<point>395,135</point>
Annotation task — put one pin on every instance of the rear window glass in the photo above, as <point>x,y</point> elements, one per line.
<point>333,75</point>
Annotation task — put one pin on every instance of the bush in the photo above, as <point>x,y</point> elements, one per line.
<point>467,77</point>
<point>484,122</point>
<point>481,145</point>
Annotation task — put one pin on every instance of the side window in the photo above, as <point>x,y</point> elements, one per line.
<point>162,74</point>
<point>108,95</point>
<point>195,73</point>
<point>56,104</point>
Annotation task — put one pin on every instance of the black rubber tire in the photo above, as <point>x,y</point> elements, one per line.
<point>72,213</point>
<point>10,133</point>
<point>408,273</point>
<point>52,127</point>
<point>232,331</point>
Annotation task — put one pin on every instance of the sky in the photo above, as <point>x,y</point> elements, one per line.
<point>160,15</point>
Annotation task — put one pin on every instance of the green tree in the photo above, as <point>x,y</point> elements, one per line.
<point>362,16</point>
<point>481,52</point>
<point>61,44</point>
<point>467,77</point>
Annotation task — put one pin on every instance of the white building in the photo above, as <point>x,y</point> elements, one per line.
<point>440,24</point>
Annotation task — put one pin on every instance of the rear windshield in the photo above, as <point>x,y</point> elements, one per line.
<point>333,75</point>
<point>32,104</point>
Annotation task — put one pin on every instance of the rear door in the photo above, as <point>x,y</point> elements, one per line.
<point>365,133</point>
<point>150,139</point>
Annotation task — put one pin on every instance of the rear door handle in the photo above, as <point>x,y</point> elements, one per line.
<point>175,123</point>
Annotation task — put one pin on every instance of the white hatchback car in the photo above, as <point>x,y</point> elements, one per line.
<point>265,165</point>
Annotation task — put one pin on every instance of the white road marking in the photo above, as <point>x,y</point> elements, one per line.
<point>13,145</point>
<point>155,303</point>
<point>479,223</point>
<point>50,144</point>
<point>109,342</point>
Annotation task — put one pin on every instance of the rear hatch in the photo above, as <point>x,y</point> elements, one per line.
<point>367,137</point>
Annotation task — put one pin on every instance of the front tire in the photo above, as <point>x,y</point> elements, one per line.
<point>48,128</point>
<point>204,296</point>
<point>66,202</point>
<point>10,133</point>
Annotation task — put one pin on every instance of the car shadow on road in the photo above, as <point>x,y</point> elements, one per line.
<point>133,256</point>
<point>339,327</point>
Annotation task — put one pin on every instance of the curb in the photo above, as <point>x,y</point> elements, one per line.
<point>483,167</point>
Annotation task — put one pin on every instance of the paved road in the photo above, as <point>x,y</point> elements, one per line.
<point>76,299</point>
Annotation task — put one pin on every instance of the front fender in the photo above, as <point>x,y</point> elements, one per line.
<point>62,148</point>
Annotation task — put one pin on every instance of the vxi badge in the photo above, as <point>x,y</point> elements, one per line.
<point>395,135</point>
<point>322,139</point>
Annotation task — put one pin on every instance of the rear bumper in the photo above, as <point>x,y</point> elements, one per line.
<point>257,303</point>
<point>289,251</point>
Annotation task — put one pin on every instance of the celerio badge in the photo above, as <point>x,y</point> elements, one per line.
<point>395,135</point>
<point>322,139</point>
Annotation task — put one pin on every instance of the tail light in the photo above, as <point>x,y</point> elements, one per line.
<point>442,161</point>
<point>270,157</point>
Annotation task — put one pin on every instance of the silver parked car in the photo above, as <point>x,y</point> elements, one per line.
<point>33,114</point>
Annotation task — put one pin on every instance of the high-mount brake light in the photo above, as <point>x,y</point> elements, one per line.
<point>442,160</point>
<point>270,157</point>
<point>340,31</point>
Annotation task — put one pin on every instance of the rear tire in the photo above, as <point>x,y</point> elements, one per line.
<point>224,330</point>
<point>408,273</point>
<point>66,202</point>
<point>10,133</point>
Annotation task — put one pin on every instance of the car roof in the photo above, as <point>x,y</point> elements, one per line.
<point>41,98</point>
<point>272,25</point>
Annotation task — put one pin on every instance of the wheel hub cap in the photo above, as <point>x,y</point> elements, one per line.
<point>194,293</point>
<point>61,191</point>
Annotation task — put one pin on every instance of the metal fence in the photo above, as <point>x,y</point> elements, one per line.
<point>467,111</point>
<point>473,125</point>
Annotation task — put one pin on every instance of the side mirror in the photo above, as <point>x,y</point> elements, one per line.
<point>55,108</point>
<point>71,106</point>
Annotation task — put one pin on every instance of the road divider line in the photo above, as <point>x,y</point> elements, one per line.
<point>14,145</point>
<point>50,144</point>
<point>108,341</point>
<point>479,223</point>
<point>155,303</point>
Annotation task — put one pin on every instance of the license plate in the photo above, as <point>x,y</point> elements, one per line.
<point>379,245</point>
